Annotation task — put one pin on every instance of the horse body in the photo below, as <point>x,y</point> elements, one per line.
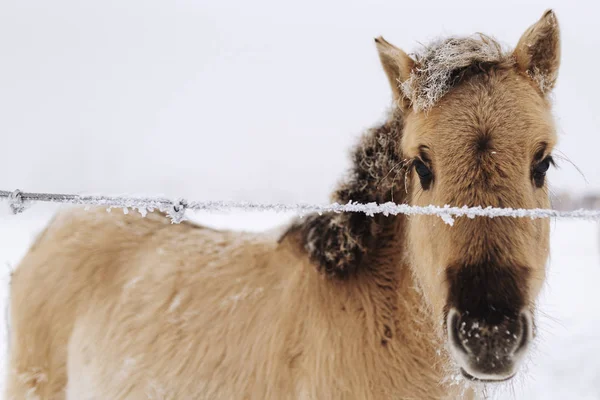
<point>144,309</point>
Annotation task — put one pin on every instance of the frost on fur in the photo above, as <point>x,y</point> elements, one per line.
<point>337,242</point>
<point>441,65</point>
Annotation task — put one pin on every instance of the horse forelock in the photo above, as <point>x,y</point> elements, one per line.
<point>444,63</point>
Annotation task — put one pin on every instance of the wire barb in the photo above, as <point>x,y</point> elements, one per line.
<point>16,202</point>
<point>177,211</point>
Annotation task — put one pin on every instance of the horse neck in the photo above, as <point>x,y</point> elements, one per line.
<point>357,289</point>
<point>375,320</point>
<point>393,286</point>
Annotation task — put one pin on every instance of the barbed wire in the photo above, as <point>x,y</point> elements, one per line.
<point>175,209</point>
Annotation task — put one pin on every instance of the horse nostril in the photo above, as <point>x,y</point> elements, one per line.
<point>526,331</point>
<point>453,326</point>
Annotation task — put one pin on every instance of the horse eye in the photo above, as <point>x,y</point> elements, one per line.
<point>539,171</point>
<point>424,173</point>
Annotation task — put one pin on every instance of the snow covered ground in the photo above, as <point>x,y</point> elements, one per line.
<point>564,364</point>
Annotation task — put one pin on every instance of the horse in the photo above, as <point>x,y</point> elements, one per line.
<point>332,305</point>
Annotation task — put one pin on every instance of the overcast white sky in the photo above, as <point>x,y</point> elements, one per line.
<point>245,100</point>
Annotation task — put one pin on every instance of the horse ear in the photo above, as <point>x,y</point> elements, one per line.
<point>397,66</point>
<point>538,51</point>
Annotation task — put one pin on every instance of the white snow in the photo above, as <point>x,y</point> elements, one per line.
<point>175,303</point>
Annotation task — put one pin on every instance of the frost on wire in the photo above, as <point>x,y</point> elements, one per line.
<point>18,202</point>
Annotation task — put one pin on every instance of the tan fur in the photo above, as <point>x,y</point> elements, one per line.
<point>518,122</point>
<point>145,309</point>
<point>342,306</point>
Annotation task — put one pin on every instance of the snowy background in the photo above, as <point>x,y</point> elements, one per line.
<point>261,100</point>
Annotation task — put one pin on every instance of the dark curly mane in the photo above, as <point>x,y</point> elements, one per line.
<point>338,243</point>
